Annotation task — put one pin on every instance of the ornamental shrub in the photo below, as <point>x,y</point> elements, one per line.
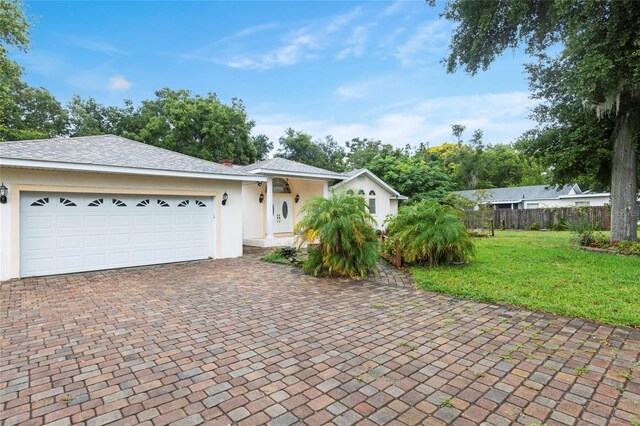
<point>430,233</point>
<point>341,236</point>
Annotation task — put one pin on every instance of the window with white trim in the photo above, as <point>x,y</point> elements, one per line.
<point>372,202</point>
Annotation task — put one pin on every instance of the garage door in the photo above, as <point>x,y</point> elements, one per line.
<point>67,232</point>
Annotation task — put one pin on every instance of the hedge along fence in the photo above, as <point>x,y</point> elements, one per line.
<point>545,218</point>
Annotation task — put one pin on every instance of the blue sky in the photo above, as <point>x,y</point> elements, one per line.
<point>349,69</point>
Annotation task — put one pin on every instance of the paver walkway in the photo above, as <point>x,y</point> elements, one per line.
<point>247,342</point>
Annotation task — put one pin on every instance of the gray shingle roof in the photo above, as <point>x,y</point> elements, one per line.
<point>352,172</point>
<point>109,150</point>
<point>521,192</point>
<point>278,164</point>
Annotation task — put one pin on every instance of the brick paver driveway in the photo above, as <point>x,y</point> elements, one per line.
<point>241,341</point>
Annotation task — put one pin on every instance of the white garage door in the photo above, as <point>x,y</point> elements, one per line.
<point>67,232</point>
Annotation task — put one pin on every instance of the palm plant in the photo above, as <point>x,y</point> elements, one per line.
<point>344,231</point>
<point>428,232</point>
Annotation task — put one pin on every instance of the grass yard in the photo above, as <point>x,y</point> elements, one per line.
<point>544,271</point>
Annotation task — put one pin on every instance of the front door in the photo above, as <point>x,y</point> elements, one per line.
<point>282,214</point>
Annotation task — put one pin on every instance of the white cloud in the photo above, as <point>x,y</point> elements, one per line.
<point>118,82</point>
<point>392,8</point>
<point>97,46</point>
<point>430,39</point>
<point>296,49</point>
<point>363,89</point>
<point>253,30</point>
<point>300,45</point>
<point>356,42</point>
<point>501,116</point>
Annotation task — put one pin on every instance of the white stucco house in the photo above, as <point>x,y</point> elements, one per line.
<point>538,197</point>
<point>103,202</point>
<point>289,184</point>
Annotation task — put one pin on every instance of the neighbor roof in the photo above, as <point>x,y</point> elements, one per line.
<point>519,193</point>
<point>108,151</point>
<point>282,165</point>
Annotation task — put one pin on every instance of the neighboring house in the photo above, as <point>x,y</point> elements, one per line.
<point>103,202</point>
<point>537,196</point>
<point>289,184</point>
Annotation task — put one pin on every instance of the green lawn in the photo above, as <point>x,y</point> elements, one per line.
<point>544,271</point>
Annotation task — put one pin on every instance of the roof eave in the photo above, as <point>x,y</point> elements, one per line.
<point>80,167</point>
<point>272,172</point>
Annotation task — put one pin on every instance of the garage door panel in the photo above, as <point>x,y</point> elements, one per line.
<point>42,242</point>
<point>38,222</point>
<point>164,236</point>
<point>143,257</point>
<point>80,232</point>
<point>69,222</point>
<point>143,238</point>
<point>69,262</point>
<point>95,221</point>
<point>164,220</point>
<point>37,265</point>
<point>96,261</point>
<point>117,240</point>
<point>186,219</point>
<point>69,242</point>
<point>143,220</point>
<point>95,241</point>
<point>122,258</point>
<point>201,219</point>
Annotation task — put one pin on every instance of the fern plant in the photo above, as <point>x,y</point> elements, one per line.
<point>431,233</point>
<point>344,232</point>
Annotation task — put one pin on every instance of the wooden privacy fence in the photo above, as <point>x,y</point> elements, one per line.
<point>543,218</point>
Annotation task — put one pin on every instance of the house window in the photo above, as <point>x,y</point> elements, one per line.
<point>360,192</point>
<point>350,192</point>
<point>533,205</point>
<point>372,202</point>
<point>281,186</point>
<point>582,204</point>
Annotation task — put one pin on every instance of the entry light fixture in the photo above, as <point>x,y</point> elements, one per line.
<point>3,194</point>
<point>261,197</point>
<point>225,197</point>
<point>297,198</point>
<point>259,183</point>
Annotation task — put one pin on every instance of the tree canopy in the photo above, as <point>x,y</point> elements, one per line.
<point>586,70</point>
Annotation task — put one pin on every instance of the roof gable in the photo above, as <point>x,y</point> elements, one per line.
<point>359,172</point>
<point>111,151</point>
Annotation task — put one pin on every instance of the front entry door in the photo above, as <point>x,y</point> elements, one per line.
<point>282,214</point>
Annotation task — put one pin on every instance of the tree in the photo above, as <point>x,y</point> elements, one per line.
<point>299,146</point>
<point>88,117</point>
<point>412,176</point>
<point>200,126</point>
<point>364,151</point>
<point>431,233</point>
<point>458,130</point>
<point>341,234</point>
<point>263,146</point>
<point>586,53</point>
<point>14,31</point>
<point>32,113</point>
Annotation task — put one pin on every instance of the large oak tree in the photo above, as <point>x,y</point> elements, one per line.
<point>587,55</point>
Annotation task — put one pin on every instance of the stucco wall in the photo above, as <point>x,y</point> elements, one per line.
<point>228,218</point>
<point>385,206</point>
